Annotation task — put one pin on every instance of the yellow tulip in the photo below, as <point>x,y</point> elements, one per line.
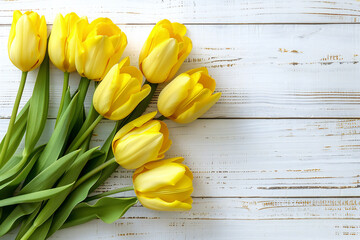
<point>27,40</point>
<point>62,42</point>
<point>164,51</point>
<point>188,96</point>
<point>164,185</point>
<point>120,91</point>
<point>141,141</point>
<point>99,47</point>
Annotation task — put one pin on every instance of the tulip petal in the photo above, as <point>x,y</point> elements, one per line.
<point>134,72</point>
<point>42,41</point>
<point>167,142</point>
<point>158,64</point>
<point>161,205</point>
<point>180,191</point>
<point>181,58</point>
<point>137,150</point>
<point>200,69</point>
<point>17,14</point>
<point>106,90</point>
<point>124,63</point>
<point>179,28</point>
<point>155,164</point>
<point>135,123</point>
<point>173,94</point>
<point>98,49</point>
<point>57,42</point>
<point>196,94</point>
<point>207,81</point>
<point>198,109</point>
<point>167,174</point>
<point>24,51</point>
<point>125,109</point>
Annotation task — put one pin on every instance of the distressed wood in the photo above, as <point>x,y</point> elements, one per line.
<point>197,12</point>
<point>257,177</point>
<point>259,157</point>
<point>171,228</point>
<point>224,218</point>
<point>268,71</point>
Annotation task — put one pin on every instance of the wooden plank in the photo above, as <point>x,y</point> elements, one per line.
<point>259,157</point>
<point>198,12</point>
<point>271,71</point>
<point>329,217</point>
<point>164,229</point>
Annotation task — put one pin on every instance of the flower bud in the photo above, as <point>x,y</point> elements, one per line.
<point>99,47</point>
<point>164,185</point>
<point>164,51</point>
<point>141,141</point>
<point>120,91</point>
<point>188,96</point>
<point>27,40</point>
<point>62,42</point>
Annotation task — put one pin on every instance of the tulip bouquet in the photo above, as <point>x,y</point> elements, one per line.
<point>44,188</point>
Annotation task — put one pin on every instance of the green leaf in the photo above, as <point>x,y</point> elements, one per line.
<point>10,164</point>
<point>67,100</point>
<point>17,133</point>
<point>34,196</point>
<point>15,216</point>
<point>50,175</point>
<point>70,176</point>
<point>42,231</point>
<point>57,140</point>
<point>27,223</point>
<point>75,197</point>
<point>107,209</point>
<point>78,120</point>
<point>20,162</point>
<point>8,187</point>
<point>39,104</point>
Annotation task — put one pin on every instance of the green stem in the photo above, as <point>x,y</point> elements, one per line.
<point>76,145</point>
<point>29,232</point>
<point>65,87</point>
<point>118,190</point>
<point>93,172</point>
<point>91,117</point>
<point>13,117</point>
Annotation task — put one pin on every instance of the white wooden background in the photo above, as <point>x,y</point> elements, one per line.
<point>279,156</point>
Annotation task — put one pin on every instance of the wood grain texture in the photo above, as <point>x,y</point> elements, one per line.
<point>194,11</point>
<point>223,218</point>
<point>259,158</point>
<point>263,168</point>
<point>288,71</point>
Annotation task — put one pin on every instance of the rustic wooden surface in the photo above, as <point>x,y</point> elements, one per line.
<point>279,156</point>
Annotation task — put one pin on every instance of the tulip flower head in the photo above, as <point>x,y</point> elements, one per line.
<point>62,42</point>
<point>27,40</point>
<point>188,96</point>
<point>164,185</point>
<point>120,91</point>
<point>164,51</point>
<point>100,45</point>
<point>141,141</point>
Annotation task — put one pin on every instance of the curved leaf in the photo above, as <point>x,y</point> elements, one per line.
<point>50,175</point>
<point>107,209</point>
<point>34,196</point>
<point>17,133</point>
<point>70,176</point>
<point>57,140</point>
<point>8,187</point>
<point>39,104</point>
